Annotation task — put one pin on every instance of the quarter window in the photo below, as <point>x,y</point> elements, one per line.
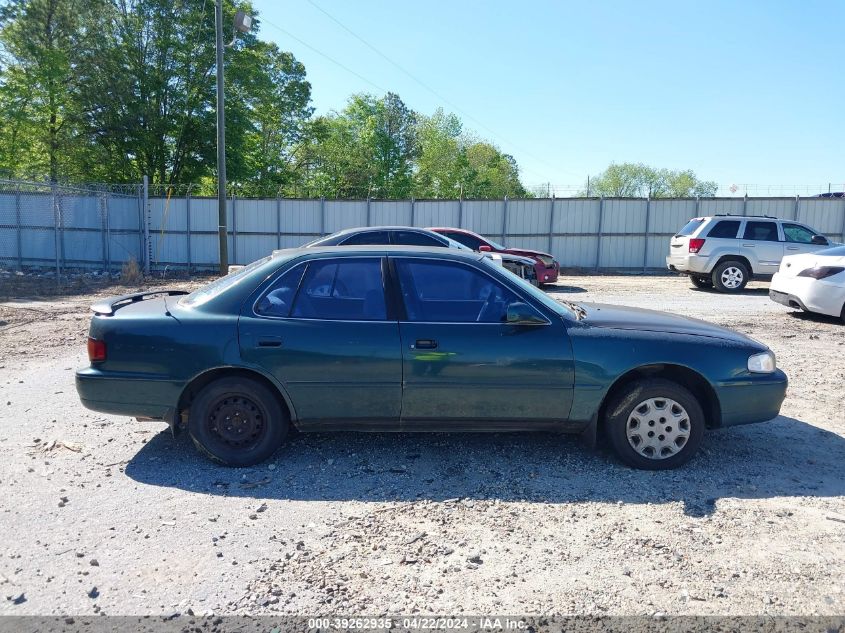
<point>278,300</point>
<point>761,231</point>
<point>725,228</point>
<point>450,292</point>
<point>341,289</point>
<point>798,233</point>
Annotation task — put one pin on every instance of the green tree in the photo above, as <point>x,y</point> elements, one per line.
<point>636,180</point>
<point>492,174</point>
<point>442,166</point>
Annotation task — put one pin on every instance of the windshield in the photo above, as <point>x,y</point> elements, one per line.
<point>208,292</point>
<point>567,310</point>
<point>496,246</point>
<point>453,244</point>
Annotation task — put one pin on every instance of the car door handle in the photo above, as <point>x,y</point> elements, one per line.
<point>424,343</point>
<point>269,341</point>
<point>792,248</point>
<point>749,245</point>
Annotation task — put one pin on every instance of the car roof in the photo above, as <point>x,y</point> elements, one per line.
<point>381,249</point>
<point>397,227</point>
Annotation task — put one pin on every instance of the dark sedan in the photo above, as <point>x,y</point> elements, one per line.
<point>411,339</point>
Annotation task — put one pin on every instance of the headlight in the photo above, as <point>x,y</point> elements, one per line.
<point>762,363</point>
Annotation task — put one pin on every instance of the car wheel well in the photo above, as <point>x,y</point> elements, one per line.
<point>684,376</point>
<point>189,393</point>
<point>736,258</point>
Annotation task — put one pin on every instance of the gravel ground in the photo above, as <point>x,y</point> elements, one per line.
<point>103,514</point>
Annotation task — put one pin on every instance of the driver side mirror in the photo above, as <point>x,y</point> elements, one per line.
<point>523,314</point>
<point>819,240</point>
<point>484,249</point>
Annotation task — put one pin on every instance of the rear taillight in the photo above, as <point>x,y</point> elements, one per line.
<point>821,272</point>
<point>96,350</point>
<point>695,244</point>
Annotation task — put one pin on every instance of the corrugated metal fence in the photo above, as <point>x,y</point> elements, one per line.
<point>49,226</point>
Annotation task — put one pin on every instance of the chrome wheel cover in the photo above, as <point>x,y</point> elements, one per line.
<point>732,277</point>
<point>658,428</point>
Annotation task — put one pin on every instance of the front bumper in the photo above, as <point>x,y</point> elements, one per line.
<point>547,274</point>
<point>754,398</point>
<point>125,394</point>
<point>808,294</point>
<point>688,264</point>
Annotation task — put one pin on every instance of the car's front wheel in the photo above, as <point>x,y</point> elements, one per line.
<point>654,424</point>
<point>701,282</point>
<point>730,276</point>
<point>237,421</point>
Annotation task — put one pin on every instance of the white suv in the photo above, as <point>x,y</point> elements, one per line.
<point>726,251</point>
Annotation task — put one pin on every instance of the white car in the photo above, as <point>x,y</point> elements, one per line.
<point>813,282</point>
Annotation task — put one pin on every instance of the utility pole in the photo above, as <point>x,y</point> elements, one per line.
<point>221,142</point>
<point>242,23</point>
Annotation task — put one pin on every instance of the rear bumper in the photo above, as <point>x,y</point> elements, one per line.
<point>756,398</point>
<point>688,264</point>
<point>127,394</point>
<point>808,294</point>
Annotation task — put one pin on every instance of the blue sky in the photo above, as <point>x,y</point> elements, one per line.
<point>740,92</point>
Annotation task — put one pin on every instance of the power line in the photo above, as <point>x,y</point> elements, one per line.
<point>428,88</point>
<point>322,54</point>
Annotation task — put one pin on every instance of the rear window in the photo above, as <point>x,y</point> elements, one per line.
<point>206,293</point>
<point>690,228</point>
<point>725,228</point>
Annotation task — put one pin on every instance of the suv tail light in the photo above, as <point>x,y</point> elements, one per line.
<point>96,350</point>
<point>695,244</point>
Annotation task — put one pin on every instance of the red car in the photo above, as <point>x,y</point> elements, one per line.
<point>546,265</point>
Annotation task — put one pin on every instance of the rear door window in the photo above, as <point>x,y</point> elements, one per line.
<point>367,237</point>
<point>415,238</point>
<point>342,289</point>
<point>725,228</point>
<point>761,231</point>
<point>690,227</point>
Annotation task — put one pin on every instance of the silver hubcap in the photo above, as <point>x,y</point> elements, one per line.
<point>658,428</point>
<point>732,277</point>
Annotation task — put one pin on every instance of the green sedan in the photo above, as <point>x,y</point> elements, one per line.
<point>416,339</point>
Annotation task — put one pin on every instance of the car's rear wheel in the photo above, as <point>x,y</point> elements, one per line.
<point>237,421</point>
<point>730,276</point>
<point>654,424</point>
<point>701,282</point>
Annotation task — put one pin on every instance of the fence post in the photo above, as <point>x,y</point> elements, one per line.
<point>505,218</point>
<point>146,220</point>
<point>601,228</point>
<point>108,231</point>
<point>101,203</point>
<point>234,233</point>
<point>460,212</point>
<point>322,215</point>
<point>278,222</point>
<point>843,222</point>
<point>697,205</point>
<point>647,227</point>
<point>188,226</point>
<point>551,223</point>
<point>18,221</point>
<point>745,205</point>
<point>56,221</point>
<point>413,219</point>
<point>368,211</point>
<point>796,208</point>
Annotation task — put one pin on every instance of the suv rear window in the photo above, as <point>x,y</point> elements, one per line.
<point>724,228</point>
<point>690,227</point>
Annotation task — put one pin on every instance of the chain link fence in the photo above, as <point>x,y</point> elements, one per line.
<point>60,228</point>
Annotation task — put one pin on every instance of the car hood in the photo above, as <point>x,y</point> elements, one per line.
<point>526,252</point>
<point>642,320</point>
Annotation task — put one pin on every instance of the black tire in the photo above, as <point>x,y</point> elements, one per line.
<point>727,269</point>
<point>701,282</point>
<point>624,403</point>
<point>259,428</point>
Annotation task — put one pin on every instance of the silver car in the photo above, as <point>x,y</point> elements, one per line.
<point>726,252</point>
